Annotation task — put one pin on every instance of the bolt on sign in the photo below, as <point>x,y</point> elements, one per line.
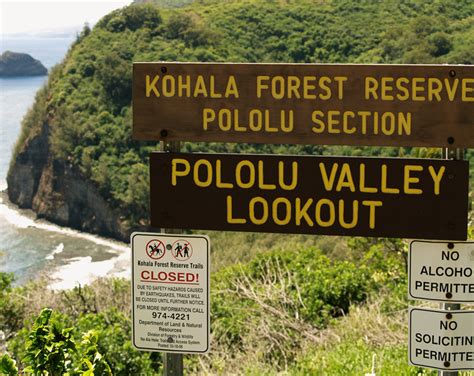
<point>441,271</point>
<point>392,197</point>
<point>392,105</point>
<point>170,292</point>
<point>442,340</point>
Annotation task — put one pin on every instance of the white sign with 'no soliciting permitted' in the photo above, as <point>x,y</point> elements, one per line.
<point>441,271</point>
<point>441,339</point>
<point>170,292</point>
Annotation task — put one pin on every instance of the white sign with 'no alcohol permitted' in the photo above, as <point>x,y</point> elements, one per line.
<point>441,339</point>
<point>170,292</point>
<point>441,271</point>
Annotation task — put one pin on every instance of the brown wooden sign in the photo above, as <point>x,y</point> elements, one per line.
<point>393,105</point>
<point>385,197</point>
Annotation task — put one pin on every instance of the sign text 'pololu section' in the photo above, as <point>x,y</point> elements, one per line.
<point>398,105</point>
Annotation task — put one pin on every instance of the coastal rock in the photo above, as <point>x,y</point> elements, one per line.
<point>14,64</point>
<point>28,165</point>
<point>58,193</point>
<point>68,199</point>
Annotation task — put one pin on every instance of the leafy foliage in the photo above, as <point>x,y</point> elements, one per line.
<point>285,296</point>
<point>94,317</point>
<point>266,310</point>
<point>112,330</point>
<point>93,363</point>
<point>8,366</point>
<point>49,347</point>
<point>131,18</point>
<point>11,306</point>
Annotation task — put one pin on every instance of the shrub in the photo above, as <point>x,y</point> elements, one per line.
<point>189,28</point>
<point>105,347</point>
<point>49,347</point>
<point>11,306</point>
<point>113,332</point>
<point>440,44</point>
<point>132,18</point>
<point>8,366</point>
<point>281,298</point>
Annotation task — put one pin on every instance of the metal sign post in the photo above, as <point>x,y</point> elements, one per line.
<point>172,363</point>
<point>456,154</point>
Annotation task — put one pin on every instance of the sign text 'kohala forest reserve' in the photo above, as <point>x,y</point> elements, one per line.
<point>393,197</point>
<point>392,105</point>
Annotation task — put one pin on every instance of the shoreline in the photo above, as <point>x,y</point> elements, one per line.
<point>113,259</point>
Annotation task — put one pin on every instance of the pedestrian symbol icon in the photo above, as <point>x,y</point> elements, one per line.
<point>155,249</point>
<point>182,250</point>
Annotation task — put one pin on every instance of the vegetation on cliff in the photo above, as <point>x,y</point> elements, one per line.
<point>87,103</point>
<point>15,64</point>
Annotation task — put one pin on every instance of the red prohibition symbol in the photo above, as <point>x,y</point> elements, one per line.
<point>182,250</point>
<point>155,249</point>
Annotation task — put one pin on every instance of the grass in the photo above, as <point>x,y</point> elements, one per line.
<point>228,248</point>
<point>259,325</point>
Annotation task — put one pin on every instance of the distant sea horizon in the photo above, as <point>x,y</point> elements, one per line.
<point>30,247</point>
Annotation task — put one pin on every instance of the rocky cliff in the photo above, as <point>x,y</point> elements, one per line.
<point>58,192</point>
<point>76,162</point>
<point>14,64</point>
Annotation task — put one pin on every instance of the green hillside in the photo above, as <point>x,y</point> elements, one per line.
<point>281,304</point>
<point>87,103</point>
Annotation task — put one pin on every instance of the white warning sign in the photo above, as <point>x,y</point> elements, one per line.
<point>441,271</point>
<point>170,292</point>
<point>441,339</point>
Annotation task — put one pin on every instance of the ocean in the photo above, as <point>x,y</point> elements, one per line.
<point>29,247</point>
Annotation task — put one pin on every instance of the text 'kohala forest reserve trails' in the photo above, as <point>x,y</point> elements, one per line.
<point>406,198</point>
<point>393,105</point>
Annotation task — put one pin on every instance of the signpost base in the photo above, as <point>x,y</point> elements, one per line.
<point>172,364</point>
<point>456,154</point>
<point>449,307</point>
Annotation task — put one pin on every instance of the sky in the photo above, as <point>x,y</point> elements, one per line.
<point>19,16</point>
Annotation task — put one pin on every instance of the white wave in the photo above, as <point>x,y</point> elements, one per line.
<point>96,239</point>
<point>20,220</point>
<point>14,217</point>
<point>56,250</point>
<point>82,271</point>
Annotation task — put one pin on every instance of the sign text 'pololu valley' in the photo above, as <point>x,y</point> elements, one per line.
<point>393,197</point>
<point>393,105</point>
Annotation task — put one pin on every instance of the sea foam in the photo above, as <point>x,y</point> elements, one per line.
<point>56,250</point>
